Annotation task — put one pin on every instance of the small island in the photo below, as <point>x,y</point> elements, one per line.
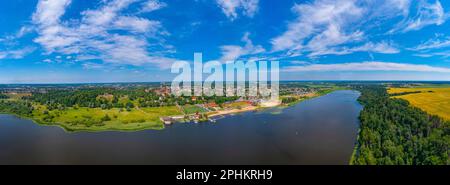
<point>134,107</point>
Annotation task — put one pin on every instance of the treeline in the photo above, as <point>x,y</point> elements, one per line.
<point>3,96</point>
<point>393,132</point>
<point>107,98</point>
<point>287,100</point>
<point>90,97</point>
<point>21,108</point>
<point>405,93</point>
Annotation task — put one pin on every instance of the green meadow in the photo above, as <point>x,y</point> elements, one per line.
<point>97,119</point>
<point>192,109</point>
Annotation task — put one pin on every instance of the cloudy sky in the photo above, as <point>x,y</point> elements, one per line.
<point>52,41</point>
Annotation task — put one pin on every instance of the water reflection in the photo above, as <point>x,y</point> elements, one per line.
<point>318,131</point>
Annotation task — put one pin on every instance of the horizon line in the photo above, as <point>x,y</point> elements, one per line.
<point>136,82</point>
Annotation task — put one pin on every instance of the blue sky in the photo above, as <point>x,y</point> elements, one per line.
<point>53,41</point>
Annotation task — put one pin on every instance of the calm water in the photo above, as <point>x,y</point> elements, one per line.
<point>318,131</point>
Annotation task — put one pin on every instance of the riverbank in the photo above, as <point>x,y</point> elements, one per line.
<point>99,120</point>
<point>232,111</point>
<point>256,138</point>
<point>81,119</point>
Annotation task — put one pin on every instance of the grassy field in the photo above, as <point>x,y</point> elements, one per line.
<point>192,109</point>
<point>236,105</point>
<point>96,119</point>
<point>434,100</point>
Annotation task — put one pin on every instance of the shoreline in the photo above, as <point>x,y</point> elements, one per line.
<point>69,130</point>
<point>281,105</point>
<point>233,111</point>
<point>163,126</point>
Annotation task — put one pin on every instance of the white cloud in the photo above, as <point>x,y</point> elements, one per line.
<point>118,49</point>
<point>299,62</point>
<point>231,7</point>
<point>395,5</point>
<point>136,24</point>
<point>433,47</point>
<point>106,14</point>
<point>435,43</point>
<point>47,61</point>
<point>324,27</point>
<point>332,36</point>
<point>443,54</point>
<point>100,34</point>
<point>323,22</point>
<point>48,12</point>
<point>164,62</point>
<point>380,47</point>
<point>16,54</point>
<point>152,5</point>
<point>23,31</point>
<point>90,65</point>
<point>367,66</point>
<point>234,52</point>
<point>426,14</point>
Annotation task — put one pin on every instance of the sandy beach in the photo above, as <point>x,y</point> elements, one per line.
<point>233,111</point>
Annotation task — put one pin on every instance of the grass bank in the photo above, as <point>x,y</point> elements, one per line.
<point>98,120</point>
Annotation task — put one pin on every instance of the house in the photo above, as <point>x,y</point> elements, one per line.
<point>162,91</point>
<point>211,106</point>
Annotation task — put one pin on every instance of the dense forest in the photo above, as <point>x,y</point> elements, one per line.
<point>393,132</point>
<point>98,97</point>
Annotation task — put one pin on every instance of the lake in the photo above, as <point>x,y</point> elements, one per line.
<point>322,130</point>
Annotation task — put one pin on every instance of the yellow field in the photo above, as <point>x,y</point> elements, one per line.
<point>435,100</point>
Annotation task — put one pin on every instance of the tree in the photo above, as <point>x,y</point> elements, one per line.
<point>393,132</point>
<point>106,118</point>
